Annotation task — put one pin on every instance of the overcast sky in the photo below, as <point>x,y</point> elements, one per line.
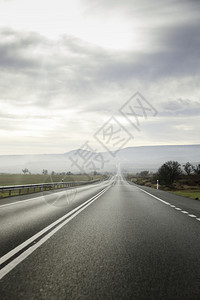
<point>67,66</point>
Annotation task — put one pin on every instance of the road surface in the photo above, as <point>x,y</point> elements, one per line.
<point>111,240</point>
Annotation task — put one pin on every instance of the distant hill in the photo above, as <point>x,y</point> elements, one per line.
<point>132,159</point>
<point>152,157</point>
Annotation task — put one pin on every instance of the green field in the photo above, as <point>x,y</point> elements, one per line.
<point>21,179</point>
<point>188,193</point>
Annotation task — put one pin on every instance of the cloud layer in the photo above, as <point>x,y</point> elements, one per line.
<point>56,92</point>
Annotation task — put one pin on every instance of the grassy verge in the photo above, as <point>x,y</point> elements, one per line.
<point>188,193</point>
<point>186,186</point>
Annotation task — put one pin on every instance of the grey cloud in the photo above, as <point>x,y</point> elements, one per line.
<point>23,116</point>
<point>71,73</point>
<point>182,44</point>
<point>142,6</point>
<point>180,107</point>
<point>76,65</point>
<point>173,28</point>
<point>76,68</point>
<point>15,49</point>
<point>178,57</point>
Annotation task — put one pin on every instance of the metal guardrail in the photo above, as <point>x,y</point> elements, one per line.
<point>40,187</point>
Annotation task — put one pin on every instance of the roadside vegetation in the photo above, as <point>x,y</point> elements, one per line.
<point>27,178</point>
<point>181,180</point>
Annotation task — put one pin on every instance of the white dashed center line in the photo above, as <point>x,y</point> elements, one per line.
<point>192,216</point>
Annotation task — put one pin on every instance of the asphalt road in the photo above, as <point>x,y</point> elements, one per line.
<point>108,241</point>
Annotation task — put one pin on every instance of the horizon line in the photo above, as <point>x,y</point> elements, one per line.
<point>165,145</point>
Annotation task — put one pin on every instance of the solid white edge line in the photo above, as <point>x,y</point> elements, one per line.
<point>190,215</point>
<point>153,196</point>
<point>26,253</point>
<point>37,235</point>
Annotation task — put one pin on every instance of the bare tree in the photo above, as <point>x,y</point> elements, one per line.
<point>25,170</point>
<point>188,168</point>
<point>45,172</point>
<point>196,169</point>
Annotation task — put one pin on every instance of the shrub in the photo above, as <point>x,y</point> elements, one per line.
<point>169,172</point>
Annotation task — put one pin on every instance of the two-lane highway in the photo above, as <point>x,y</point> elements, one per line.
<point>118,242</point>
